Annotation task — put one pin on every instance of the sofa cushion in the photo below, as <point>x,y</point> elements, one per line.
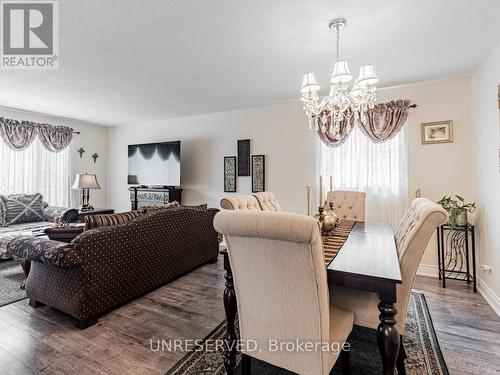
<point>200,207</point>
<point>95,221</point>
<point>158,207</point>
<point>21,208</point>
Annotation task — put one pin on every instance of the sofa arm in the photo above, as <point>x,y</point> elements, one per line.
<point>52,212</point>
<point>44,251</point>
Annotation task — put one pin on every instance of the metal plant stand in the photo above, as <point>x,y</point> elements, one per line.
<point>456,252</point>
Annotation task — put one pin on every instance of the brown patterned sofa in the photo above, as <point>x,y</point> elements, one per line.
<point>107,266</point>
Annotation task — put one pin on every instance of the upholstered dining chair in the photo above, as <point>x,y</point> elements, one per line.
<point>411,237</point>
<point>267,201</point>
<point>348,204</point>
<point>281,289</point>
<point>240,202</point>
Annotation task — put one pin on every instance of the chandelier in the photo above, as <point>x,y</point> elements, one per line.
<point>341,104</point>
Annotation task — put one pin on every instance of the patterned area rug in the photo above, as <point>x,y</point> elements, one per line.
<point>424,355</point>
<point>11,276</point>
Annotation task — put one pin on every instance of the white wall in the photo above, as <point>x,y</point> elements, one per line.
<point>438,169</point>
<point>92,138</point>
<point>486,156</point>
<point>279,132</point>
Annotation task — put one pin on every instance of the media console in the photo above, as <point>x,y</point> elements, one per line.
<point>147,196</point>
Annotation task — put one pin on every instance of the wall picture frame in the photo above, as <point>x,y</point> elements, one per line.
<point>244,157</point>
<point>258,173</point>
<point>230,174</point>
<point>437,132</point>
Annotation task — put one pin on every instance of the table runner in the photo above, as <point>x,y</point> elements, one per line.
<point>333,242</point>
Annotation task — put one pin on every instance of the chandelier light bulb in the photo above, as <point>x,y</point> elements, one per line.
<point>341,72</point>
<point>367,76</point>
<point>309,84</point>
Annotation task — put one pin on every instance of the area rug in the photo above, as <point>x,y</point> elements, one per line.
<point>11,276</point>
<point>424,355</point>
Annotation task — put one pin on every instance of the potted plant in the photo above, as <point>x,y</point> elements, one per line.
<point>457,209</point>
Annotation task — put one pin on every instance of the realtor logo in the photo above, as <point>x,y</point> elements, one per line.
<point>30,37</point>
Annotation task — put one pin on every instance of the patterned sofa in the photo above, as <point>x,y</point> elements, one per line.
<point>7,233</point>
<point>110,265</point>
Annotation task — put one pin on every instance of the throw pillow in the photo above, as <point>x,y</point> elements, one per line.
<point>3,211</point>
<point>22,208</point>
<point>200,207</point>
<point>158,207</point>
<point>95,221</point>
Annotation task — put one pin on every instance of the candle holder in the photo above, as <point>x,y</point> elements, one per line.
<point>321,215</point>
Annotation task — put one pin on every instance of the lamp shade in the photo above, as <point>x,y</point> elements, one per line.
<point>309,84</point>
<point>85,181</point>
<point>341,72</point>
<point>367,76</point>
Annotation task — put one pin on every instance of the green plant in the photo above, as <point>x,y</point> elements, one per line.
<point>458,204</point>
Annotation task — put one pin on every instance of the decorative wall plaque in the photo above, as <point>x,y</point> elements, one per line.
<point>244,157</point>
<point>258,173</point>
<point>230,174</point>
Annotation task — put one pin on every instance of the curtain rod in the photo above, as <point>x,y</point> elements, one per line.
<point>76,132</point>
<point>412,106</point>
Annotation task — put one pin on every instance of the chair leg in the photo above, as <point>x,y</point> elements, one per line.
<point>34,303</point>
<point>85,323</point>
<point>400,363</point>
<point>246,364</point>
<point>345,362</point>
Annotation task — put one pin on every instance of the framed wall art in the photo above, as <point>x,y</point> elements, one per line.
<point>230,174</point>
<point>437,132</point>
<point>244,157</point>
<point>258,173</point>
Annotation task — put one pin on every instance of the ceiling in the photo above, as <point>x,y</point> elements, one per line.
<point>127,61</point>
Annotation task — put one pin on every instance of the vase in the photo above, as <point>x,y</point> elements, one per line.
<point>461,217</point>
<point>457,216</point>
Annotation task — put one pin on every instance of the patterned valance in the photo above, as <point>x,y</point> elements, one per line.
<point>382,123</point>
<point>18,135</point>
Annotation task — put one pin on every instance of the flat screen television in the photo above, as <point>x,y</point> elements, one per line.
<point>155,164</point>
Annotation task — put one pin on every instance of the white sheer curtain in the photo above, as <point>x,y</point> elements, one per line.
<point>35,170</point>
<point>379,169</point>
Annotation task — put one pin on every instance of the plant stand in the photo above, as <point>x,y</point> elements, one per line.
<point>457,253</point>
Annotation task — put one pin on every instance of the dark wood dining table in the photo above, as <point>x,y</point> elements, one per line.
<point>367,261</point>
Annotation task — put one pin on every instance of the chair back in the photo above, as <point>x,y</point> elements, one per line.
<point>412,237</point>
<point>267,201</point>
<point>348,204</point>
<point>280,283</point>
<point>240,202</point>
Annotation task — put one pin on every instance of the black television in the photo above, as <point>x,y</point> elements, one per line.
<point>155,164</point>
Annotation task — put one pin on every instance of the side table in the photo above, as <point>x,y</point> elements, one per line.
<point>457,253</point>
<point>95,211</point>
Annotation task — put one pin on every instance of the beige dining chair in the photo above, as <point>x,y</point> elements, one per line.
<point>267,201</point>
<point>348,204</point>
<point>240,202</point>
<point>281,289</point>
<point>411,237</point>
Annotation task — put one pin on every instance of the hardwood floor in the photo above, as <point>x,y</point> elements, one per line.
<point>44,341</point>
<point>468,329</point>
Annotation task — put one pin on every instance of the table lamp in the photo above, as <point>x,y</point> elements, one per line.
<point>85,182</point>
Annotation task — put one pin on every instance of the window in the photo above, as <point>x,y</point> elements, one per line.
<point>379,169</point>
<point>35,170</point>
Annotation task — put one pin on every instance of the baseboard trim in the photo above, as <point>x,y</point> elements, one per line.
<point>427,270</point>
<point>489,295</point>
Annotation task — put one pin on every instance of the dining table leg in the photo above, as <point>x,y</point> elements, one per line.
<point>230,308</point>
<point>388,339</point>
